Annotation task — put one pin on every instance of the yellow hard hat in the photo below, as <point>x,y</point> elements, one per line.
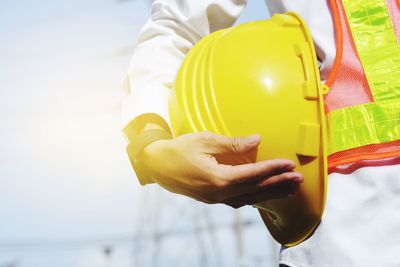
<point>262,77</point>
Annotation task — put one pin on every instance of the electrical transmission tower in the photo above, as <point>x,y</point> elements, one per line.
<point>176,231</point>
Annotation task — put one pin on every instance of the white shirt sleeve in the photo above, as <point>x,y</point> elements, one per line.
<point>172,29</point>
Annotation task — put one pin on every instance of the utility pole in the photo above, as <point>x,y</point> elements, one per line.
<point>197,219</point>
<point>241,261</point>
<point>157,212</point>
<point>107,252</point>
<point>216,249</point>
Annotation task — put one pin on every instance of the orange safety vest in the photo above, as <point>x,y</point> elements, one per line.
<point>363,104</point>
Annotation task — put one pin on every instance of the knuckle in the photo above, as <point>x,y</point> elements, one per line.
<point>219,179</point>
<point>215,188</point>
<point>219,183</point>
<point>206,136</point>
<point>254,170</point>
<point>212,185</point>
<point>234,144</point>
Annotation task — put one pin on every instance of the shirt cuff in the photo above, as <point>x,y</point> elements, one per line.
<point>135,149</point>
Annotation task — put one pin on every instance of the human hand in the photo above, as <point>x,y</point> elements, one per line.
<point>189,165</point>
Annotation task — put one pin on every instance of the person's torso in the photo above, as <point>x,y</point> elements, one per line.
<point>361,218</point>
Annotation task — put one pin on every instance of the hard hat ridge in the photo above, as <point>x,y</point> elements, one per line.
<point>262,77</point>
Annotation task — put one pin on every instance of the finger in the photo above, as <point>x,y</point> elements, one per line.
<point>255,171</point>
<point>241,189</point>
<point>220,144</point>
<point>288,190</point>
<point>178,187</point>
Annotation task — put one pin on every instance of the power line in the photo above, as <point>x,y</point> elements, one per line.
<point>121,239</point>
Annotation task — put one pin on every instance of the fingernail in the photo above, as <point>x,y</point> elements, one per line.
<point>291,165</point>
<point>296,177</point>
<point>253,139</point>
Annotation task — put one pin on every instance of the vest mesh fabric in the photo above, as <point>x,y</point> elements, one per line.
<point>349,87</point>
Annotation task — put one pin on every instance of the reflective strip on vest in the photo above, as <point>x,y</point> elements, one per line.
<point>379,52</point>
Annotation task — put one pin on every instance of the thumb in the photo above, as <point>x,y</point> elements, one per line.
<point>237,145</point>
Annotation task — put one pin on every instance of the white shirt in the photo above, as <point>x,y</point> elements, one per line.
<point>361,223</point>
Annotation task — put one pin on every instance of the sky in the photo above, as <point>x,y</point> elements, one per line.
<point>67,192</point>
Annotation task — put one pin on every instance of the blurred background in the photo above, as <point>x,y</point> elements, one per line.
<point>68,195</point>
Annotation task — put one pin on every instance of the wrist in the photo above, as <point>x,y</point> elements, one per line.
<point>139,134</point>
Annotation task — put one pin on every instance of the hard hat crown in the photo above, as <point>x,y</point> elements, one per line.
<point>262,77</point>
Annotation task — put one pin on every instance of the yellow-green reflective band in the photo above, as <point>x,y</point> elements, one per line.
<point>379,53</point>
<point>377,46</point>
<point>362,125</point>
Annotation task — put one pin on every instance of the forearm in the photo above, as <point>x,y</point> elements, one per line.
<point>170,32</point>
